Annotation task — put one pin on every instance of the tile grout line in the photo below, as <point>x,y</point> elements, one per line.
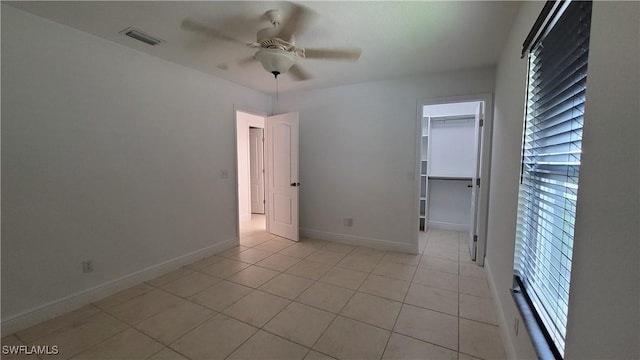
<point>390,331</point>
<point>351,297</point>
<point>157,352</point>
<point>312,347</point>
<point>262,328</point>
<point>314,281</point>
<point>402,302</point>
<point>220,312</point>
<point>216,313</point>
<point>370,272</point>
<point>50,332</point>
<point>127,327</point>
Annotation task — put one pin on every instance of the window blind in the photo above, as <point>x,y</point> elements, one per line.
<point>552,144</point>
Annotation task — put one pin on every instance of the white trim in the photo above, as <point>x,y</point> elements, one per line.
<point>504,325</point>
<point>256,124</point>
<point>57,307</point>
<point>417,166</point>
<point>447,226</point>
<point>485,176</point>
<point>379,244</point>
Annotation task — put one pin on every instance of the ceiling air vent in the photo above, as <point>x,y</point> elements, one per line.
<point>140,36</point>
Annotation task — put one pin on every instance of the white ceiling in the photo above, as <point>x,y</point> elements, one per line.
<point>396,38</point>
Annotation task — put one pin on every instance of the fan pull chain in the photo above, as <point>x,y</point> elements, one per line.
<point>275,75</point>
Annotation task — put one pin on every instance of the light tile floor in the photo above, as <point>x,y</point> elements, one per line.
<point>271,298</point>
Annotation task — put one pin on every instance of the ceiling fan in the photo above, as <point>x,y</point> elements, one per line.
<point>277,50</point>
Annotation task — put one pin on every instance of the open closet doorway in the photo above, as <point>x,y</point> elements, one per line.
<point>250,170</point>
<point>454,146</point>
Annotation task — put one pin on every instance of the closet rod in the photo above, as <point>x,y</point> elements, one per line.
<point>449,178</point>
<point>453,118</point>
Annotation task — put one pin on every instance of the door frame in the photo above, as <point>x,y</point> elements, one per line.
<point>485,166</point>
<point>246,110</point>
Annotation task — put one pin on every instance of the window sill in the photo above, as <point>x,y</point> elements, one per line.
<point>542,343</point>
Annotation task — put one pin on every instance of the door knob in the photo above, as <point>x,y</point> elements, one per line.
<point>295,184</point>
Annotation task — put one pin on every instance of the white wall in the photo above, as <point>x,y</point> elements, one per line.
<point>358,154</point>
<point>503,191</point>
<point>603,316</point>
<point>108,154</point>
<point>451,150</point>
<point>243,121</point>
<point>604,303</point>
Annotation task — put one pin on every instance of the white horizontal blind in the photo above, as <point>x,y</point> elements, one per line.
<point>551,165</point>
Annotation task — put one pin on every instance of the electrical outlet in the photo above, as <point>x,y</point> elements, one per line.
<point>87,266</point>
<point>224,174</point>
<point>348,222</point>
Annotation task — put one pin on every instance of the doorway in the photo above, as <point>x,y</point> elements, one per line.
<point>267,174</point>
<point>250,171</point>
<point>454,140</point>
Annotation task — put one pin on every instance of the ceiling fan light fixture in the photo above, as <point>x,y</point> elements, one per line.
<point>276,61</point>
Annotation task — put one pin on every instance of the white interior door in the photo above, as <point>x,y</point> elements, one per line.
<point>256,161</point>
<point>282,175</point>
<point>475,183</point>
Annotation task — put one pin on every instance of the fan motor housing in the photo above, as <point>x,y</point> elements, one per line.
<point>275,60</point>
<point>268,38</point>
<point>266,33</point>
<point>274,16</point>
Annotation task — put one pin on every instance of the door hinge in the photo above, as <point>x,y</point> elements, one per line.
<point>478,181</point>
<point>264,201</point>
<point>481,122</point>
<point>475,238</point>
<point>263,137</point>
<point>263,171</point>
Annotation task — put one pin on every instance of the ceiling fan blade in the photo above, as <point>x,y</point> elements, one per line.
<point>298,73</point>
<point>298,20</point>
<point>247,61</point>
<point>242,62</point>
<point>194,26</point>
<point>347,54</point>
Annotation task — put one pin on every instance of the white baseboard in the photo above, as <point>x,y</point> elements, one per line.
<point>447,226</point>
<point>47,311</point>
<point>379,244</point>
<point>504,325</point>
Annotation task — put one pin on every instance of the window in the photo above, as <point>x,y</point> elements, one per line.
<point>557,50</point>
